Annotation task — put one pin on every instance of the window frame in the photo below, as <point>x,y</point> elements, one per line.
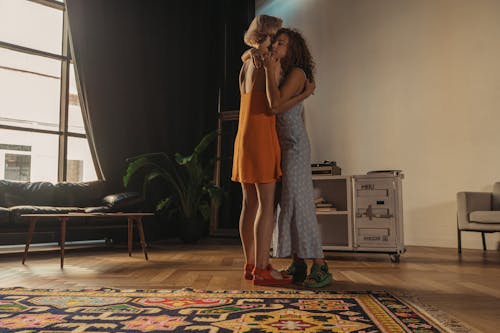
<point>66,60</point>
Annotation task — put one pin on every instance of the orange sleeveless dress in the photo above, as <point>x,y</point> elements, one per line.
<point>257,153</point>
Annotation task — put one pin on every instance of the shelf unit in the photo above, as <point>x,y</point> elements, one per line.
<point>335,226</point>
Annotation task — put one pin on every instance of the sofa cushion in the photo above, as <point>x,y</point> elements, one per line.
<point>100,209</point>
<point>21,193</point>
<point>17,211</point>
<point>495,197</point>
<point>11,199</point>
<point>83,194</point>
<point>122,201</point>
<point>6,186</point>
<point>4,215</point>
<point>489,216</point>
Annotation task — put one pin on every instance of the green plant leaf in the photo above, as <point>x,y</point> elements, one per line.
<point>164,204</point>
<point>205,142</point>
<point>204,210</point>
<point>200,148</point>
<point>216,193</point>
<point>188,179</point>
<point>143,161</point>
<point>183,160</point>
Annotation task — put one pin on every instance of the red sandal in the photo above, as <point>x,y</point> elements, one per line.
<point>263,277</point>
<point>248,271</point>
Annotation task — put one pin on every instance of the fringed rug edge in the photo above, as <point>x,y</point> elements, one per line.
<point>445,321</point>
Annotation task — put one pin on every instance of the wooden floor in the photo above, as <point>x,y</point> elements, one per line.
<point>466,287</point>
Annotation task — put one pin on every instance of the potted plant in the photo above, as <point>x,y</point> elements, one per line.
<point>189,186</point>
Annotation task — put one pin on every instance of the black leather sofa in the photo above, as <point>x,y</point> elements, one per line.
<point>17,198</point>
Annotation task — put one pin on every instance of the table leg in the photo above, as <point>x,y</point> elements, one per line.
<point>130,234</point>
<point>29,238</point>
<point>63,238</point>
<point>141,236</point>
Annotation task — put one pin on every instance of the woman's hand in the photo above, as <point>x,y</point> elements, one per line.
<point>271,63</point>
<point>309,88</point>
<point>257,58</point>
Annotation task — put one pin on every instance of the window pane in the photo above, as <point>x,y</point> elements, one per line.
<point>19,147</point>
<point>18,61</point>
<point>32,25</point>
<point>30,89</point>
<point>75,120</point>
<point>80,164</point>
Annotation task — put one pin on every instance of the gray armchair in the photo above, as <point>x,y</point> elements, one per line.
<point>479,212</point>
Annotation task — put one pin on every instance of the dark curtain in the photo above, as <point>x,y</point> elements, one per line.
<point>151,72</point>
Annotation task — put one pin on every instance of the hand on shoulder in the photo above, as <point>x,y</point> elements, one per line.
<point>309,88</point>
<point>271,63</point>
<point>257,57</point>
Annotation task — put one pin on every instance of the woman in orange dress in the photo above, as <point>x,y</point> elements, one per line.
<point>256,159</point>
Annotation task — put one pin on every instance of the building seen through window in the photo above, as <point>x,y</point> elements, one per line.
<point>75,171</point>
<point>17,167</point>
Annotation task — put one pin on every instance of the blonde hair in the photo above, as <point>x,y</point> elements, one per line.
<point>260,28</point>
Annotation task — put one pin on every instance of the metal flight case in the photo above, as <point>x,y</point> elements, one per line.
<point>378,213</point>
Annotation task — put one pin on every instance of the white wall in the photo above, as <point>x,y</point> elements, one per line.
<point>411,85</point>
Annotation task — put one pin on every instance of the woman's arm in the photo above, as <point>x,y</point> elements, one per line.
<point>255,55</point>
<point>294,82</point>
<point>242,77</point>
<point>246,55</point>
<point>308,91</point>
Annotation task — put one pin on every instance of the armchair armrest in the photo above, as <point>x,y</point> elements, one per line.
<point>471,201</point>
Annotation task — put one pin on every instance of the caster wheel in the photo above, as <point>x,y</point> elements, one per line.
<point>394,257</point>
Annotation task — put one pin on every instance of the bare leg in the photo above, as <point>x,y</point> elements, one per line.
<point>297,260</point>
<point>264,223</point>
<point>249,209</point>
<point>319,261</point>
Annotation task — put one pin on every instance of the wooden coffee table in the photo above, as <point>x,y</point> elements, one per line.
<point>64,218</point>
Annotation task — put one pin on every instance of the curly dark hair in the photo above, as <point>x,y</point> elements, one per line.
<point>297,55</point>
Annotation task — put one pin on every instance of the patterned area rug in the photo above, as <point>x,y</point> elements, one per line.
<point>187,310</point>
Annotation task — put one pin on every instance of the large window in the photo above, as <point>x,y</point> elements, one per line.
<point>42,136</point>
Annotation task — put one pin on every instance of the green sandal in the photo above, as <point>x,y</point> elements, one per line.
<point>319,276</point>
<point>298,271</point>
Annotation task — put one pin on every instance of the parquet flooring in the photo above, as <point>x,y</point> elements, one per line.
<point>466,287</point>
